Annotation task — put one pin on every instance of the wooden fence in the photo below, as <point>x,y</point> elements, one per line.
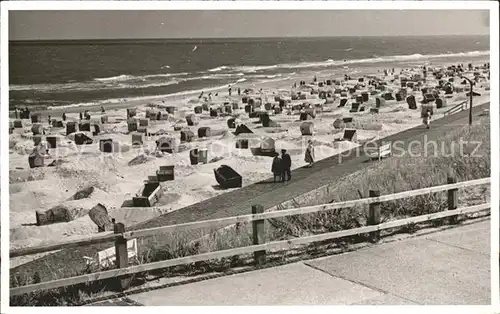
<point>259,246</point>
<point>457,108</point>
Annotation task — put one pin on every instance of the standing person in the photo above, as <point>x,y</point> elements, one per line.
<point>287,165</point>
<point>309,158</point>
<point>427,119</point>
<point>229,90</point>
<point>277,167</point>
<point>15,111</point>
<point>64,116</point>
<point>102,109</point>
<point>239,91</point>
<point>49,118</point>
<point>81,116</point>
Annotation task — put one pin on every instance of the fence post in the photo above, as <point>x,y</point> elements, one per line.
<point>258,235</point>
<point>452,198</point>
<point>374,216</point>
<point>121,255</point>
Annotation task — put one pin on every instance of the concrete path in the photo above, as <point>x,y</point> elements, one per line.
<point>238,202</point>
<point>443,268</point>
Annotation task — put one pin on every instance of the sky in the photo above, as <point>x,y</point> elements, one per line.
<point>58,25</point>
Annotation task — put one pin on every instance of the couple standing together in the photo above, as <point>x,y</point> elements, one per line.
<point>281,167</point>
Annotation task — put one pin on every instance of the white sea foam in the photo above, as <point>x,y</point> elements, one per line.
<point>218,69</point>
<point>331,62</point>
<point>122,77</point>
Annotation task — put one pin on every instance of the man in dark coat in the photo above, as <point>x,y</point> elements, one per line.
<point>277,167</point>
<point>287,165</point>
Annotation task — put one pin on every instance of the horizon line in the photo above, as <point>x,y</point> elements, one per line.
<point>250,37</point>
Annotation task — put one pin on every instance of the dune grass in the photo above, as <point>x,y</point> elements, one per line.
<point>398,173</point>
<point>403,173</point>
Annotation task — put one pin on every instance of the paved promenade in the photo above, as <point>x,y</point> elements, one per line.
<point>442,268</point>
<point>68,262</point>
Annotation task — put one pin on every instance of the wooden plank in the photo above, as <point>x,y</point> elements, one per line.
<point>277,245</point>
<point>456,108</point>
<point>95,239</point>
<point>374,213</point>
<point>452,197</point>
<point>296,211</point>
<point>258,235</point>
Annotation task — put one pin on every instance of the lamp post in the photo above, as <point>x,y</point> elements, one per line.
<point>470,97</point>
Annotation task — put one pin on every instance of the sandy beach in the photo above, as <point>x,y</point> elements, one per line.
<point>115,180</point>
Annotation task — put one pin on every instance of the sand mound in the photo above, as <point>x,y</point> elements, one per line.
<point>74,209</point>
<point>56,162</point>
<point>168,198</point>
<point>26,175</point>
<point>216,159</point>
<point>23,147</point>
<point>339,124</point>
<point>368,126</point>
<point>139,160</point>
<point>399,109</point>
<point>83,193</point>
<point>81,173</point>
<point>228,135</point>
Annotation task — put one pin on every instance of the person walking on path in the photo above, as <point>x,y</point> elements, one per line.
<point>287,165</point>
<point>277,167</point>
<point>427,119</point>
<point>309,158</point>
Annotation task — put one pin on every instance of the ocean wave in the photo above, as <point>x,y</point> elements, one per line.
<point>128,77</point>
<point>217,69</point>
<point>163,75</point>
<point>146,81</point>
<point>143,98</point>
<point>331,62</point>
<point>122,77</point>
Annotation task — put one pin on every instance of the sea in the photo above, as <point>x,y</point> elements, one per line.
<point>87,72</point>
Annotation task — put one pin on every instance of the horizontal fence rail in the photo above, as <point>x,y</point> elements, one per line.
<point>257,218</point>
<point>95,239</point>
<point>243,218</point>
<point>457,108</point>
